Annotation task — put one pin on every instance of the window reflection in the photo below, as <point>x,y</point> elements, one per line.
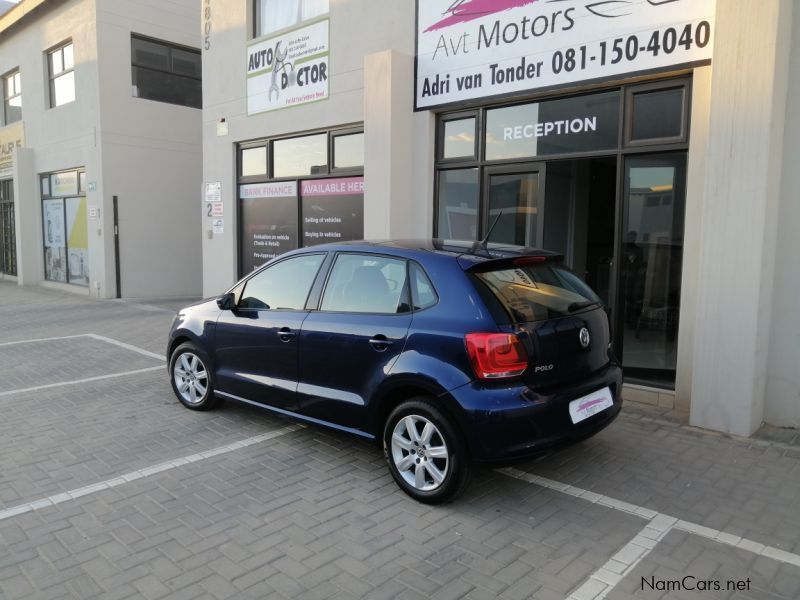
<point>281,14</point>
<point>658,115</point>
<point>458,204</point>
<point>459,138</point>
<point>348,151</point>
<point>514,204</point>
<point>652,258</point>
<point>301,156</point>
<point>254,161</point>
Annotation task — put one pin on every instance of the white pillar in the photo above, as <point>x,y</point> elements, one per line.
<point>782,405</point>
<point>739,214</point>
<point>28,220</point>
<point>388,145</point>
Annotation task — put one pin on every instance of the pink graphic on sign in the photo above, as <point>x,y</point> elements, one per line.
<point>590,403</point>
<point>463,11</point>
<point>333,187</point>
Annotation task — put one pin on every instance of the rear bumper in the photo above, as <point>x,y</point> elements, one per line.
<point>513,422</point>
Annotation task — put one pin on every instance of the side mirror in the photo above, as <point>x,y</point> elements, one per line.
<point>227,301</point>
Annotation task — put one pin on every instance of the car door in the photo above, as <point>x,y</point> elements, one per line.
<point>256,342</point>
<point>349,345</point>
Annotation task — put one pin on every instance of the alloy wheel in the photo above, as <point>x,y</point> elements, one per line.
<point>419,453</point>
<point>191,378</point>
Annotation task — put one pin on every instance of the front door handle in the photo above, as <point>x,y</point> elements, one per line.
<point>286,335</point>
<point>380,343</point>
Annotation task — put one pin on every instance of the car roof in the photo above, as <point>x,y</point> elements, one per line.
<point>465,251</point>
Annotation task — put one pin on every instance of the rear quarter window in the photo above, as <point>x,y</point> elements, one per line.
<point>423,294</point>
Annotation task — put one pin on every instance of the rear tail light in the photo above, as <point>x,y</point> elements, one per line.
<point>496,355</point>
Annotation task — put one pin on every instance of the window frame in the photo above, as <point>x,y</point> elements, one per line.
<point>334,134</point>
<point>269,178</point>
<point>242,286</point>
<point>405,292</point>
<point>269,142</point>
<point>7,99</point>
<point>271,156</point>
<point>170,46</point>
<point>624,145</point>
<point>59,48</point>
<point>243,179</point>
<point>629,105</point>
<point>80,193</point>
<point>440,141</point>
<point>256,26</point>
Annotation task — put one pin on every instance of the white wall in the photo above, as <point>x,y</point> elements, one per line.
<point>358,28</point>
<point>63,137</point>
<point>782,405</point>
<point>692,236</point>
<point>147,153</point>
<point>739,214</point>
<point>152,154</point>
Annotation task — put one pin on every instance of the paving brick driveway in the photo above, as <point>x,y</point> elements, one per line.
<point>108,488</point>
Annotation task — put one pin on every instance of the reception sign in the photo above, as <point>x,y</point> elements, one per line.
<point>474,49</point>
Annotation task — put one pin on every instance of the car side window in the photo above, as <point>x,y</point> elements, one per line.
<point>283,286</point>
<point>361,283</point>
<point>422,293</point>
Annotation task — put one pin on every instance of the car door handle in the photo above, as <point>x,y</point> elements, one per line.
<point>380,343</point>
<point>286,335</point>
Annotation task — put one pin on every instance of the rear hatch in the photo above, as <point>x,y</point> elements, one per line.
<point>557,317</point>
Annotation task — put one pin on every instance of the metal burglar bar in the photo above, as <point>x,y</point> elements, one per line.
<point>8,244</point>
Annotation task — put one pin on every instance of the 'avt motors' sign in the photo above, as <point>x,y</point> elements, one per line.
<point>472,49</point>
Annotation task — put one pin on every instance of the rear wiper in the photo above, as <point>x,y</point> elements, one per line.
<point>581,305</point>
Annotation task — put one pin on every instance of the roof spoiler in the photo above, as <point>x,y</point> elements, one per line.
<point>477,264</point>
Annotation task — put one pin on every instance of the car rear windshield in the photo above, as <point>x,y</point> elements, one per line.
<point>535,293</point>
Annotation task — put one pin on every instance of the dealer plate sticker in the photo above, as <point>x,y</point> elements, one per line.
<point>583,408</point>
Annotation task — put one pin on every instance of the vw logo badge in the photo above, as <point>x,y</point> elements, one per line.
<point>584,337</point>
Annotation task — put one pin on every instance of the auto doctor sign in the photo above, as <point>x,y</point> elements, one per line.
<point>12,137</point>
<point>289,69</point>
<point>471,49</point>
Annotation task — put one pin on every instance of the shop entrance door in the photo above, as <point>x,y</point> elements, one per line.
<point>579,223</point>
<point>516,203</point>
<point>8,242</point>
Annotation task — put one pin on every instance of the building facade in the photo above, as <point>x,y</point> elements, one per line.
<point>100,146</point>
<point>650,143</point>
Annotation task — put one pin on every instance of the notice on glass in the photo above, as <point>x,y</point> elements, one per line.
<point>53,223</point>
<point>213,192</point>
<point>333,210</point>
<point>269,222</point>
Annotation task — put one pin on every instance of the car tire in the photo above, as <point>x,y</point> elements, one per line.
<point>425,453</point>
<point>191,378</point>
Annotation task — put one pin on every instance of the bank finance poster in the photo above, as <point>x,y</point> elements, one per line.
<point>269,222</point>
<point>473,49</point>
<point>289,69</point>
<point>333,210</point>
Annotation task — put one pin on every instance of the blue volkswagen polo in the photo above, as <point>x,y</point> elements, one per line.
<point>445,353</point>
